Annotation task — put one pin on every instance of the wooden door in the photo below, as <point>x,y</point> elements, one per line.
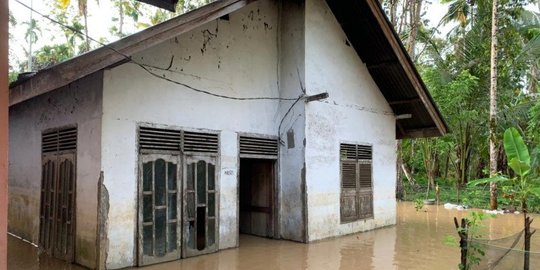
<point>57,215</point>
<point>159,237</point>
<point>200,229</point>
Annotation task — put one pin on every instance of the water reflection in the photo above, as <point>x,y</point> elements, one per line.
<point>415,243</point>
<point>22,255</point>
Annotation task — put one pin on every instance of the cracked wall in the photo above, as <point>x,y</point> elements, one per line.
<point>292,83</point>
<point>356,112</point>
<point>234,56</point>
<point>78,103</point>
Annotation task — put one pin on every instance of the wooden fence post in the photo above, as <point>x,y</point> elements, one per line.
<point>528,235</point>
<point>463,242</point>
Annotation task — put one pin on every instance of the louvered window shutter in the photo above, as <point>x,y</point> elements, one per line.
<point>159,139</point>
<point>59,140</point>
<point>258,147</point>
<point>201,142</point>
<point>356,182</point>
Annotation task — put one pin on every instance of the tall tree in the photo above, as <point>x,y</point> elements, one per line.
<point>32,35</point>
<point>83,11</point>
<point>415,20</point>
<point>493,151</point>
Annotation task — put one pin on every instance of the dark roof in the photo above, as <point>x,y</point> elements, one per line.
<point>169,5</point>
<point>363,21</point>
<point>378,45</point>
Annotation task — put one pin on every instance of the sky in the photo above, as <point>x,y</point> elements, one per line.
<point>100,21</point>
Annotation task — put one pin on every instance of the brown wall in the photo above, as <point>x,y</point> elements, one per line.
<point>3,130</point>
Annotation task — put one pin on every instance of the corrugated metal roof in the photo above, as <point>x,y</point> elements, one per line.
<point>363,21</point>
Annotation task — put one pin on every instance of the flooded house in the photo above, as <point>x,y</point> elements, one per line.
<point>272,118</point>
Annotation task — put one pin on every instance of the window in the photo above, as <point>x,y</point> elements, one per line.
<point>356,182</point>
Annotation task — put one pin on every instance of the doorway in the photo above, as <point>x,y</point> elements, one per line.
<point>178,209</point>
<point>257,197</point>
<point>159,223</point>
<point>58,185</point>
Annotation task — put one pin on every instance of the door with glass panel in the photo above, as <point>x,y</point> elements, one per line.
<point>159,232</point>
<point>200,206</point>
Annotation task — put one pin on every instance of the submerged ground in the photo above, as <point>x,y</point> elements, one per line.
<point>416,242</point>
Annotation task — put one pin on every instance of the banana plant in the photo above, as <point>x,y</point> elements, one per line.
<point>525,183</point>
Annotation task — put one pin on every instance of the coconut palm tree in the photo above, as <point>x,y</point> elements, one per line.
<point>32,35</point>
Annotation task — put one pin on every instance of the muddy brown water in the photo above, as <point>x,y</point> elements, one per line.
<point>416,242</point>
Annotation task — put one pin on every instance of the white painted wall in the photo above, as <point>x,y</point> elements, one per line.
<point>238,58</point>
<point>291,82</point>
<point>356,112</point>
<point>78,103</point>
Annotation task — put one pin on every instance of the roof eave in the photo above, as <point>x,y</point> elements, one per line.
<point>348,12</point>
<point>62,74</point>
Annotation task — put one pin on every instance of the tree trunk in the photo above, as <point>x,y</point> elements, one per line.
<point>30,60</point>
<point>533,81</point>
<point>446,164</point>
<point>493,109</point>
<point>87,37</point>
<point>408,175</point>
<point>527,243</point>
<point>121,19</point>
<point>393,11</point>
<point>415,18</point>
<point>399,163</point>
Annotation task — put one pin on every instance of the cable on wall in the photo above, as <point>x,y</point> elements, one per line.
<point>142,66</point>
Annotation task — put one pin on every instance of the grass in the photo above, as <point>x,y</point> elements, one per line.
<point>477,197</point>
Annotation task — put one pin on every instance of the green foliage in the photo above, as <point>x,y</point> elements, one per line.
<point>456,70</point>
<point>524,185</point>
<point>516,152</point>
<point>418,204</point>
<point>477,197</point>
<point>474,229</point>
<point>33,31</point>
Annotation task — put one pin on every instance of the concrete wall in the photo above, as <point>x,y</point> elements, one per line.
<point>356,112</point>
<point>291,83</point>
<point>235,57</point>
<point>78,103</point>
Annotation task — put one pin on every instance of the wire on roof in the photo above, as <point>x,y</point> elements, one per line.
<point>142,66</point>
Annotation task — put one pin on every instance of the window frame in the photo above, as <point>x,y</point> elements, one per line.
<point>359,192</point>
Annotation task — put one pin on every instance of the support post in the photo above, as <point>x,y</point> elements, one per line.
<point>4,107</point>
<point>528,235</point>
<point>463,242</point>
<point>437,194</point>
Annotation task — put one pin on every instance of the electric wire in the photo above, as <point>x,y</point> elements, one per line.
<point>145,68</point>
<point>142,66</point>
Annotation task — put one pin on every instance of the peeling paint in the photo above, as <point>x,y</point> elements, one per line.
<point>207,37</point>
<point>78,103</point>
<point>357,113</point>
<point>102,230</point>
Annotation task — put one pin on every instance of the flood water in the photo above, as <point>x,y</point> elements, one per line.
<point>416,242</point>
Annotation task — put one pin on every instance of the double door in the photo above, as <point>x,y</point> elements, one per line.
<point>177,207</point>
<point>57,215</point>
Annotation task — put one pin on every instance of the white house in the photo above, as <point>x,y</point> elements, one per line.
<point>171,142</point>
